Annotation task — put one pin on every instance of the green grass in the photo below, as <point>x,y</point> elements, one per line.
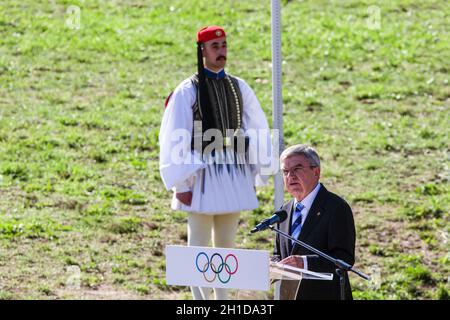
<point>80,111</point>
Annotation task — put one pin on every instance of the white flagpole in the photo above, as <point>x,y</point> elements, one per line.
<point>277,100</point>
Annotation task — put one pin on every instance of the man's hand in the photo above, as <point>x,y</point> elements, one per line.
<point>185,197</point>
<point>293,261</point>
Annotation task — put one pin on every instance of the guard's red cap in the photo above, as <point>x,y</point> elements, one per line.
<point>210,33</point>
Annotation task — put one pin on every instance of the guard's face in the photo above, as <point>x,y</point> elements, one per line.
<point>215,54</point>
<point>300,178</point>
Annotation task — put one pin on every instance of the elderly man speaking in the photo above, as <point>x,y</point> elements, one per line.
<point>316,217</point>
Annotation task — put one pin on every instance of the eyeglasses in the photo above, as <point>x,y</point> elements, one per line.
<point>295,170</point>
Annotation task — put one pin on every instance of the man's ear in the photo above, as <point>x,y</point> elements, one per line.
<point>317,172</point>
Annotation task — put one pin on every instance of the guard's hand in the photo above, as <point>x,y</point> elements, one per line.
<point>185,197</point>
<point>293,261</point>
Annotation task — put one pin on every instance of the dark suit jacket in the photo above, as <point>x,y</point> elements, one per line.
<point>329,227</point>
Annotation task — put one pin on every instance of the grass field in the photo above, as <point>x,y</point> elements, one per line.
<point>83,212</point>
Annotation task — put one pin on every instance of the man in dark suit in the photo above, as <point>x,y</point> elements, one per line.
<point>316,217</point>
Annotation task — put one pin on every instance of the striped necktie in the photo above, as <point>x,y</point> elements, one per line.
<point>297,225</point>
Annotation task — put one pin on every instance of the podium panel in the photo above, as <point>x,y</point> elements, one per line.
<point>285,282</point>
<point>287,279</point>
<point>248,273</point>
<point>217,268</point>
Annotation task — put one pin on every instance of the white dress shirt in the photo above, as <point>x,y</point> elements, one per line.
<point>307,203</point>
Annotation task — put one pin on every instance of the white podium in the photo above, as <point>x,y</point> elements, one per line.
<point>249,274</point>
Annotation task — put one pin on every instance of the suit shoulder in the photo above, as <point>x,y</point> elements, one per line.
<point>337,201</point>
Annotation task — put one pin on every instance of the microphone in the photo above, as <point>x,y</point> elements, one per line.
<point>278,216</point>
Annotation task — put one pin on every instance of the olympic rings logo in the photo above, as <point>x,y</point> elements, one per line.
<point>205,264</point>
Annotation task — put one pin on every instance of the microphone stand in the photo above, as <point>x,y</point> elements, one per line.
<point>342,267</point>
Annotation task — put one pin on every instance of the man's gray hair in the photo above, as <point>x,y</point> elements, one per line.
<point>302,150</point>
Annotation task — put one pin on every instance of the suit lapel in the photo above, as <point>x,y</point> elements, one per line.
<point>314,214</point>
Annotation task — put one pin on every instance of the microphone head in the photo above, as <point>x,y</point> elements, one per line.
<point>282,215</point>
<point>277,217</point>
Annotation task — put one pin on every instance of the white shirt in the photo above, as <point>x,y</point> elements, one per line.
<point>307,203</point>
<point>226,193</point>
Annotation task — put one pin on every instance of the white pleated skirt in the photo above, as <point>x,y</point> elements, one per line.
<point>221,189</point>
